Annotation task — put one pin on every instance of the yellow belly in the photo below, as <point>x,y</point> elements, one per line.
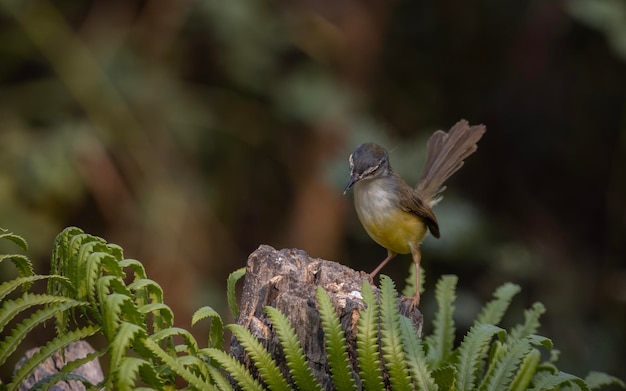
<point>388,225</point>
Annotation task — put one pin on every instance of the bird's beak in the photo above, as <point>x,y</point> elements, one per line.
<point>353,179</point>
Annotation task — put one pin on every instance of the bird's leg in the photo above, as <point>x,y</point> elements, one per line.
<point>416,253</point>
<point>390,256</point>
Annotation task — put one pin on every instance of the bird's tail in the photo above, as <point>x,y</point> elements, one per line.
<point>444,156</point>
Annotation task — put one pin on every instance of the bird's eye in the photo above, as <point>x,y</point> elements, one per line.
<point>371,170</point>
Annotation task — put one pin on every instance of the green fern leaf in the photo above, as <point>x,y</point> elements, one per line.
<point>125,337</point>
<point>336,351</point>
<point>471,351</point>
<point>153,291</point>
<point>163,317</point>
<point>367,341</point>
<point>20,241</point>
<point>130,368</point>
<point>596,380</point>
<point>493,311</point>
<point>299,369</point>
<point>441,340</point>
<point>220,381</point>
<point>268,369</point>
<point>531,322</point>
<point>416,358</point>
<point>48,350</point>
<point>231,291</point>
<point>190,341</point>
<point>238,372</point>
<point>445,377</point>
<point>500,373</point>
<point>64,373</point>
<point>548,382</point>
<point>526,371</point>
<point>11,308</point>
<point>176,366</point>
<point>139,271</point>
<point>25,282</point>
<point>216,334</point>
<point>21,262</point>
<point>112,314</point>
<point>21,330</point>
<point>391,336</point>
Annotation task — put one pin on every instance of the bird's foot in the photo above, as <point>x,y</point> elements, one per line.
<point>414,301</point>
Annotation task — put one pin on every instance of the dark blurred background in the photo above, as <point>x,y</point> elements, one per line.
<point>190,132</point>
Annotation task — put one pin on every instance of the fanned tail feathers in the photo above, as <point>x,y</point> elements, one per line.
<point>445,153</point>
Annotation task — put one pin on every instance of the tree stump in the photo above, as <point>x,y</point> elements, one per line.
<point>287,280</point>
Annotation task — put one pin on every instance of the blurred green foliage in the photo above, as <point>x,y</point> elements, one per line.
<point>191,132</point>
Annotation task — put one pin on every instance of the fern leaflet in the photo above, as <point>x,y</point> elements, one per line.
<point>367,341</point>
<point>296,360</point>
<point>230,290</point>
<point>336,351</point>
<point>216,333</point>
<point>442,339</point>
<point>235,369</point>
<point>262,359</point>
<point>472,350</point>
<point>416,358</point>
<point>493,311</point>
<point>391,338</point>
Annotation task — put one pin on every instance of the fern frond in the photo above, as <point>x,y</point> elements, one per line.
<point>64,373</point>
<point>299,369</point>
<point>526,371</point>
<point>153,291</point>
<point>21,330</point>
<point>235,369</point>
<point>493,311</point>
<point>190,341</point>
<point>391,338</point>
<point>531,322</point>
<point>162,318</point>
<point>268,369</point>
<point>130,368</point>
<point>445,377</point>
<point>367,341</point>
<point>500,373</point>
<point>25,282</point>
<point>548,382</point>
<point>173,363</point>
<point>95,264</point>
<point>471,351</point>
<point>596,380</point>
<point>335,338</point>
<point>11,308</point>
<point>21,262</point>
<point>216,333</point>
<point>441,340</point>
<point>231,291</point>
<point>125,337</point>
<point>112,313</point>
<point>10,236</point>
<point>220,381</point>
<point>139,271</point>
<point>416,358</point>
<point>58,343</point>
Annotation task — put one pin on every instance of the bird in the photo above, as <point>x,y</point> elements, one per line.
<point>396,215</point>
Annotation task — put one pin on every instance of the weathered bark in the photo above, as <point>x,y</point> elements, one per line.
<point>53,365</point>
<point>287,280</point>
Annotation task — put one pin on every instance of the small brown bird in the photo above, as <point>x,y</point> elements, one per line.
<point>393,213</point>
